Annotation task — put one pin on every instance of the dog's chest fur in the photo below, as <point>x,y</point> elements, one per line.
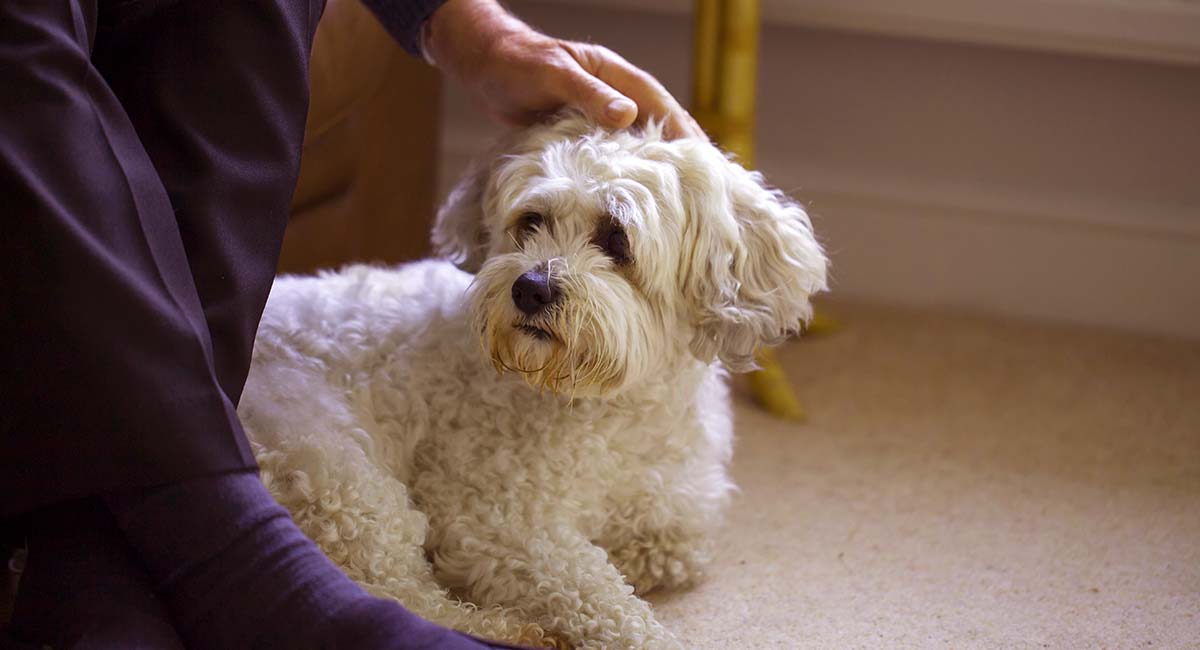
<point>387,358</point>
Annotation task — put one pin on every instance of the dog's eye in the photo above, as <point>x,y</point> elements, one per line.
<point>614,242</point>
<point>527,223</point>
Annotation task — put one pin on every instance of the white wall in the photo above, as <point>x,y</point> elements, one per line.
<point>1150,30</point>
<point>1028,183</point>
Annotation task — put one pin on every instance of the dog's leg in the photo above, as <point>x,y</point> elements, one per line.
<point>659,534</point>
<point>669,557</point>
<point>555,577</point>
<point>362,519</point>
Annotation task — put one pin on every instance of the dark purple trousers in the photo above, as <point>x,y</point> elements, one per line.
<point>148,153</point>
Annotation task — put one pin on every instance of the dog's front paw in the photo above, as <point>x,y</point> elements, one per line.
<point>648,635</point>
<point>661,560</point>
<point>533,635</point>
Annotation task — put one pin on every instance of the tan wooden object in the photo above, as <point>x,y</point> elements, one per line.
<point>724,72</point>
<point>368,169</point>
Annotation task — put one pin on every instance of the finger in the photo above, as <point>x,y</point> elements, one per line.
<point>690,128</point>
<point>652,97</point>
<point>599,100</point>
<point>679,123</point>
<point>682,125</point>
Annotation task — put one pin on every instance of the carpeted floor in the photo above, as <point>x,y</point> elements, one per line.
<point>963,483</point>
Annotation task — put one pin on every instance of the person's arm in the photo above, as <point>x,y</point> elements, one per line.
<point>403,19</point>
<point>520,74</point>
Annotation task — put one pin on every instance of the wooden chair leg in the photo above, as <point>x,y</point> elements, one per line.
<point>724,71</point>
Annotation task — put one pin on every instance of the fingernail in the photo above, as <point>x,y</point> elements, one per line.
<point>618,108</point>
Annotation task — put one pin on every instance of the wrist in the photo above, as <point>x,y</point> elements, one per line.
<point>462,34</point>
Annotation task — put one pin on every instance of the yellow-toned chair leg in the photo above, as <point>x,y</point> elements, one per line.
<point>821,324</point>
<point>724,68</point>
<point>771,388</point>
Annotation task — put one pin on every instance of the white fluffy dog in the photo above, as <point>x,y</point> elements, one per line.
<point>537,485</point>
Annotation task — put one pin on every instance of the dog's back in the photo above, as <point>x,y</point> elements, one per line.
<point>325,340</point>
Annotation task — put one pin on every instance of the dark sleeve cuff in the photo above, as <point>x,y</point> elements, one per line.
<point>403,19</point>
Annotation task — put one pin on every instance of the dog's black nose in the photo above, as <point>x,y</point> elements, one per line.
<point>533,292</point>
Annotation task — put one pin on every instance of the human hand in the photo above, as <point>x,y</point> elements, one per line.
<point>520,75</point>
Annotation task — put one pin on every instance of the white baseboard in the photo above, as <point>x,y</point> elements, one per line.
<point>1013,264</point>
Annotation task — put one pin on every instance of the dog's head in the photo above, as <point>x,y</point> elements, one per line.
<point>604,259</point>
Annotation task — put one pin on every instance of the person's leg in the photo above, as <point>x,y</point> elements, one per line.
<point>111,382</point>
<point>219,94</point>
<point>236,573</point>
<point>109,379</point>
<point>109,375</point>
<point>83,588</point>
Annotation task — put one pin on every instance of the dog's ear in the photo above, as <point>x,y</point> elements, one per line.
<point>751,261</point>
<point>459,232</point>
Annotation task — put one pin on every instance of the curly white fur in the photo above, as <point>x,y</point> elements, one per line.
<point>541,483</point>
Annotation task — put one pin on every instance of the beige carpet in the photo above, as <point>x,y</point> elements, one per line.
<point>963,483</point>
